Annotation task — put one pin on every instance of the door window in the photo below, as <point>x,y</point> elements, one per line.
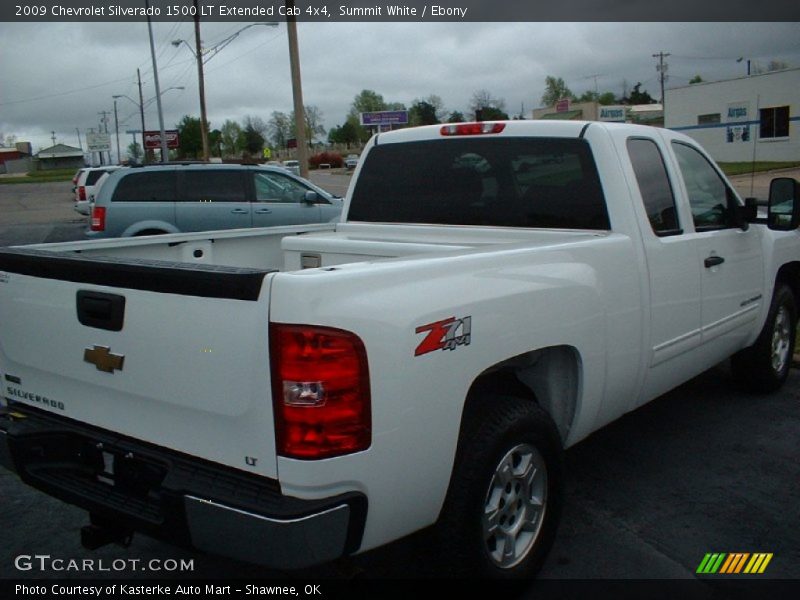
<point>709,197</point>
<point>654,186</point>
<point>213,186</point>
<point>271,187</point>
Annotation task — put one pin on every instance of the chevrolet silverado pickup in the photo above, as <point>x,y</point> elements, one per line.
<point>494,293</point>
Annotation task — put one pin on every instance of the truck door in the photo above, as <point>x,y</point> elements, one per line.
<point>673,271</point>
<point>730,259</point>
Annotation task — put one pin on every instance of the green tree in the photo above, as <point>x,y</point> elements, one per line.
<point>422,113</point>
<point>607,98</point>
<point>456,117</point>
<point>135,153</point>
<point>638,97</point>
<point>191,142</point>
<point>555,89</point>
<point>215,142</point>
<point>280,128</point>
<point>696,79</point>
<point>314,126</point>
<point>231,138</point>
<point>346,134</point>
<point>491,108</point>
<point>254,135</point>
<point>366,101</point>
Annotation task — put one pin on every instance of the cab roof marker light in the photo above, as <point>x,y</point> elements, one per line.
<point>479,128</point>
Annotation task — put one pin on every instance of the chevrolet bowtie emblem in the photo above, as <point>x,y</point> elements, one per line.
<point>101,357</point>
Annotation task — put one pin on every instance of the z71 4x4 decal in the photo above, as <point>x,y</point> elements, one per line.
<point>447,334</point>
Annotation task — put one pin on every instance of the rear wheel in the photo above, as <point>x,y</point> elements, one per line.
<point>502,509</point>
<point>764,366</point>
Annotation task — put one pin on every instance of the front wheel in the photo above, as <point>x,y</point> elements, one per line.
<point>764,366</point>
<point>502,508</point>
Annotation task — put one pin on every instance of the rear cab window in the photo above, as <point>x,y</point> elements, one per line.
<point>508,182</point>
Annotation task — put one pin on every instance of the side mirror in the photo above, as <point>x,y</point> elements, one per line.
<point>784,204</point>
<point>311,197</point>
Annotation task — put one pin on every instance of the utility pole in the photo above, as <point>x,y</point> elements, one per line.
<point>297,89</point>
<point>78,131</point>
<point>662,71</point>
<point>53,137</point>
<point>164,150</point>
<point>116,129</point>
<point>141,114</point>
<point>104,129</point>
<point>201,82</point>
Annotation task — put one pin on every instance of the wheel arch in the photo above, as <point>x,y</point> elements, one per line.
<point>789,274</point>
<point>550,377</point>
<point>149,226</point>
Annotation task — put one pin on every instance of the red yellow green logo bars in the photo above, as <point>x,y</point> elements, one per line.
<point>734,563</point>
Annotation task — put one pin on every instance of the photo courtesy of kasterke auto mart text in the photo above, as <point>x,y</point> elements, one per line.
<point>493,293</point>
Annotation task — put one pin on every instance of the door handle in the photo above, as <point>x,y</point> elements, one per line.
<point>263,211</point>
<point>240,211</point>
<point>713,261</point>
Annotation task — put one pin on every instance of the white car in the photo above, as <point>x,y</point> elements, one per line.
<point>87,185</point>
<point>293,166</point>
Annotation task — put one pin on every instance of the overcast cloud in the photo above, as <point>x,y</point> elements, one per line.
<point>59,76</point>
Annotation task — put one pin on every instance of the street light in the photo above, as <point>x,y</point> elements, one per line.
<point>141,108</point>
<point>740,59</point>
<point>198,54</point>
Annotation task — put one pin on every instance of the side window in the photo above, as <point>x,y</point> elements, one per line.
<point>144,186</point>
<point>709,197</point>
<point>271,187</point>
<point>213,186</point>
<point>654,186</point>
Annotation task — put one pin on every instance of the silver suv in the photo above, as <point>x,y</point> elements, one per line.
<point>184,197</point>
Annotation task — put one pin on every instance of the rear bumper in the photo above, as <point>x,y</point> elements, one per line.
<point>174,497</point>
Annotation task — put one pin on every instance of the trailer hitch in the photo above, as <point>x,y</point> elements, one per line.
<point>96,535</point>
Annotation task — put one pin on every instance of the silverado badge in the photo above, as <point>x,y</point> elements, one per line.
<point>101,357</point>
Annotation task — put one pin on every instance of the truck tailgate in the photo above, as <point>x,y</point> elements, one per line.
<point>167,353</point>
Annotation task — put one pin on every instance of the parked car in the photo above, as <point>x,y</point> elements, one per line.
<point>86,186</point>
<point>198,197</point>
<point>75,180</point>
<point>351,162</point>
<point>293,166</point>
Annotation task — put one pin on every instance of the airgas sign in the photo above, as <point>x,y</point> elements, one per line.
<point>612,114</point>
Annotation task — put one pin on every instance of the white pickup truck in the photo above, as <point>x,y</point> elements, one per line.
<point>495,293</point>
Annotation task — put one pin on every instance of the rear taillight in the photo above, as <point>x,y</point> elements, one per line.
<point>81,192</point>
<point>98,218</point>
<point>320,389</point>
<point>472,128</point>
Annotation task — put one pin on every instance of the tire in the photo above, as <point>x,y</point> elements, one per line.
<point>764,366</point>
<point>502,508</point>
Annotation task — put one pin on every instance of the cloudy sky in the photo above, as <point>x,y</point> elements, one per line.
<point>60,76</point>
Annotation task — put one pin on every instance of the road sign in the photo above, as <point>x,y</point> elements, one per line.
<point>152,139</point>
<point>98,142</point>
<point>385,117</point>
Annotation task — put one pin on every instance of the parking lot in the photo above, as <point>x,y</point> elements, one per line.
<point>705,468</point>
